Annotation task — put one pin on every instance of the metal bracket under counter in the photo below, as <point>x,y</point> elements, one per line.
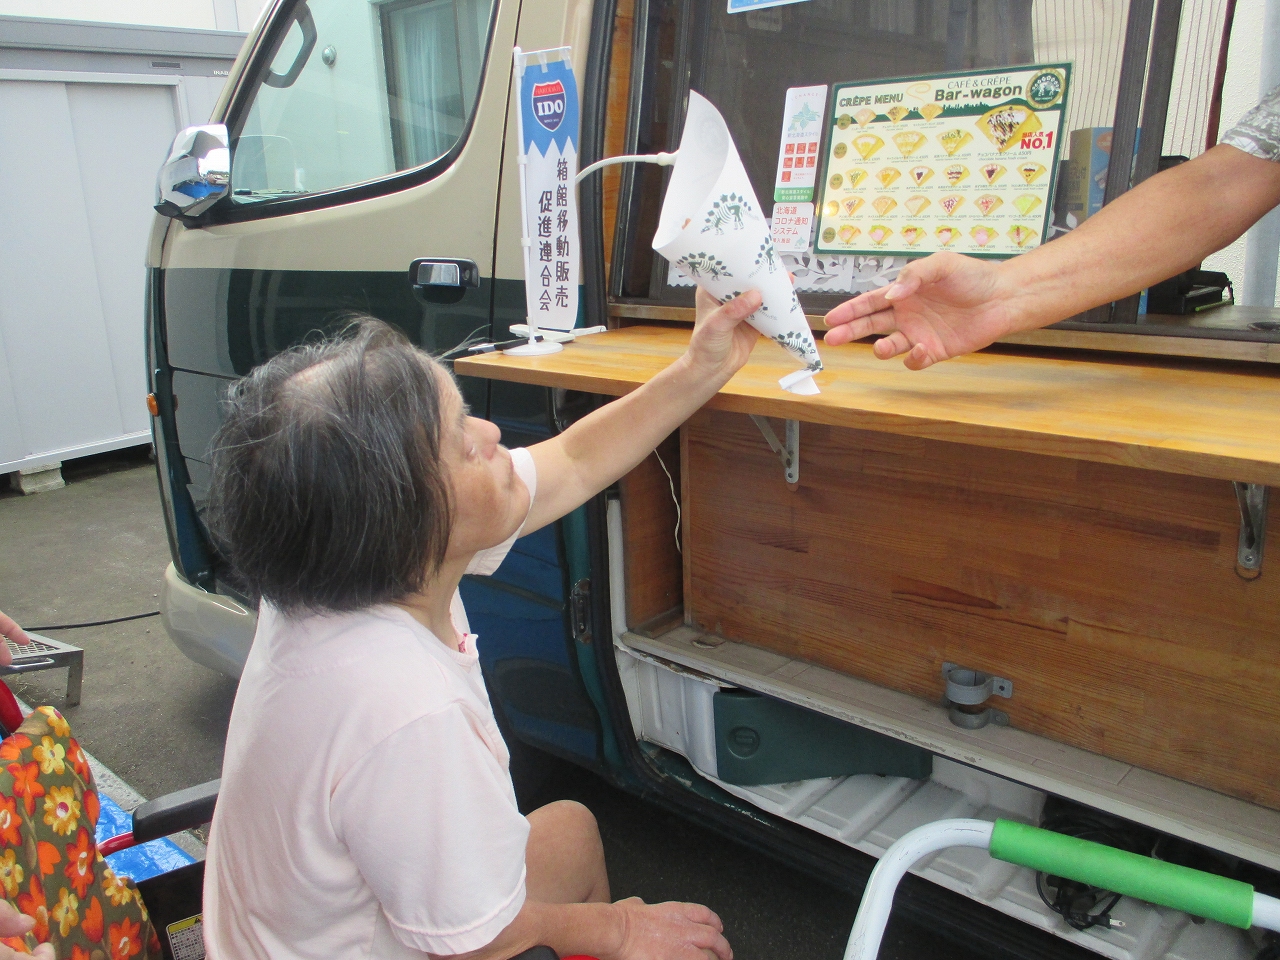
<point>1252,498</point>
<point>789,452</point>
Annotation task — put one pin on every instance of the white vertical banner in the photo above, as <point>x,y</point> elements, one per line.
<point>548,121</point>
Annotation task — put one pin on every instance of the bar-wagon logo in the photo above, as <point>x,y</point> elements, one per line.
<point>549,103</point>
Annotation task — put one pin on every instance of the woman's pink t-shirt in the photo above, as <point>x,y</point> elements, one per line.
<point>366,809</point>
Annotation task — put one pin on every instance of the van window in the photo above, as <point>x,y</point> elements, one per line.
<point>745,63</point>
<point>356,90</point>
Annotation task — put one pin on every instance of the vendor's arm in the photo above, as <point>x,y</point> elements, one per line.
<point>603,446</point>
<point>946,305</point>
<point>626,930</point>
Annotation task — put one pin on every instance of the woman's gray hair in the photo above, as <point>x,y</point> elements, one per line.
<point>328,491</point>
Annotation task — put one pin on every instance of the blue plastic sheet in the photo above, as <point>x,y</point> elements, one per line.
<point>140,862</point>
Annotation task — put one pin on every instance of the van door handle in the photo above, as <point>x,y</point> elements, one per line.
<point>455,274</point>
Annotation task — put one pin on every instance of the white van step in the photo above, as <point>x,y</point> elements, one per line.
<point>671,705</point>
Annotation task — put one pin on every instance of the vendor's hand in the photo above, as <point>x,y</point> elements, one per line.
<point>670,931</point>
<point>13,632</point>
<point>721,341</point>
<point>940,307</point>
<point>15,924</point>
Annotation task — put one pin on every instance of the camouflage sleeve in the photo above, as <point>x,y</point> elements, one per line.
<point>1258,131</point>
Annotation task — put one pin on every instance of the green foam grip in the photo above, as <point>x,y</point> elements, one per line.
<point>1182,888</point>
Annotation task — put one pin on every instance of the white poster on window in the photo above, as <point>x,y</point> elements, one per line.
<point>798,146</point>
<point>548,129</point>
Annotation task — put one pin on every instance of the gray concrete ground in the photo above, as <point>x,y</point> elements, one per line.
<point>96,550</point>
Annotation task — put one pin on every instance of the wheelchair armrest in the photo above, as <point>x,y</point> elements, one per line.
<point>175,812</point>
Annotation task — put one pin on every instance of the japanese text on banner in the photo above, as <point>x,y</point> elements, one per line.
<point>548,120</point>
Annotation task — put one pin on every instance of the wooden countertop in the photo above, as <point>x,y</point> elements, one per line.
<point>1195,419</point>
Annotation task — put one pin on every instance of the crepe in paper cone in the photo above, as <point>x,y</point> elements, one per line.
<point>1031,171</point>
<point>1020,234</point>
<point>987,202</point>
<point>921,174</point>
<point>1026,203</point>
<point>946,235</point>
<point>908,141</point>
<point>991,172</point>
<point>955,173</point>
<point>953,140</point>
<point>896,114</point>
<point>930,110</point>
<point>982,234</point>
<point>887,175</point>
<point>912,234</point>
<point>712,230</point>
<point>916,204</point>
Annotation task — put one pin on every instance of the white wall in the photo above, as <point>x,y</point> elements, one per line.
<point>77,201</point>
<point>194,14</point>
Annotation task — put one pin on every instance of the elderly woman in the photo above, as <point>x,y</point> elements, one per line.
<point>366,809</point>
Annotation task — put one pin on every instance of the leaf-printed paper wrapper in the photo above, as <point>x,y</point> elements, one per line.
<point>712,230</point>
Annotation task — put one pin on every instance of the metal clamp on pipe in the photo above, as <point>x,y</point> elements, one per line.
<point>966,693</point>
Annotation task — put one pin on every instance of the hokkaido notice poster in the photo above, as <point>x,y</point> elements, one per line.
<point>961,162</point>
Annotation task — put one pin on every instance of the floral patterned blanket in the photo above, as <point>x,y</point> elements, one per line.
<point>50,867</point>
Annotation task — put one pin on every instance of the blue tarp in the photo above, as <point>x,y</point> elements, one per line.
<point>141,862</point>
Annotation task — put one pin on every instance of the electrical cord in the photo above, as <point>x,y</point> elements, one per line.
<point>1083,906</point>
<point>671,482</point>
<point>93,623</point>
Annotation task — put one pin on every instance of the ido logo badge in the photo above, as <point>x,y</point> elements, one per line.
<point>549,103</point>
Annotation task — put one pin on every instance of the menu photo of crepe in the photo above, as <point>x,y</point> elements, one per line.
<point>953,140</point>
<point>1021,235</point>
<point>955,173</point>
<point>987,203</point>
<point>1005,125</point>
<point>851,206</point>
<point>884,204</point>
<point>912,234</point>
<point>867,144</point>
<point>991,172</point>
<point>946,235</point>
<point>887,176</point>
<point>982,234</point>
<point>896,113</point>
<point>864,116</point>
<point>880,234</point>
<point>855,177</point>
<point>1031,171</point>
<point>930,111</point>
<point>1026,203</point>
<point>848,233</point>
<point>950,203</point>
<point>909,141</point>
<point>915,205</point>
<point>921,174</point>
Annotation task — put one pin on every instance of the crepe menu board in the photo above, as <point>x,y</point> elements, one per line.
<point>962,162</point>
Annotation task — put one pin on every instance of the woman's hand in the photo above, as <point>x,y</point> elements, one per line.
<point>9,629</point>
<point>721,341</point>
<point>670,931</point>
<point>15,924</point>
<point>940,307</point>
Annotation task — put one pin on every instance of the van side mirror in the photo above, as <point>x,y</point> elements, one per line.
<point>197,173</point>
